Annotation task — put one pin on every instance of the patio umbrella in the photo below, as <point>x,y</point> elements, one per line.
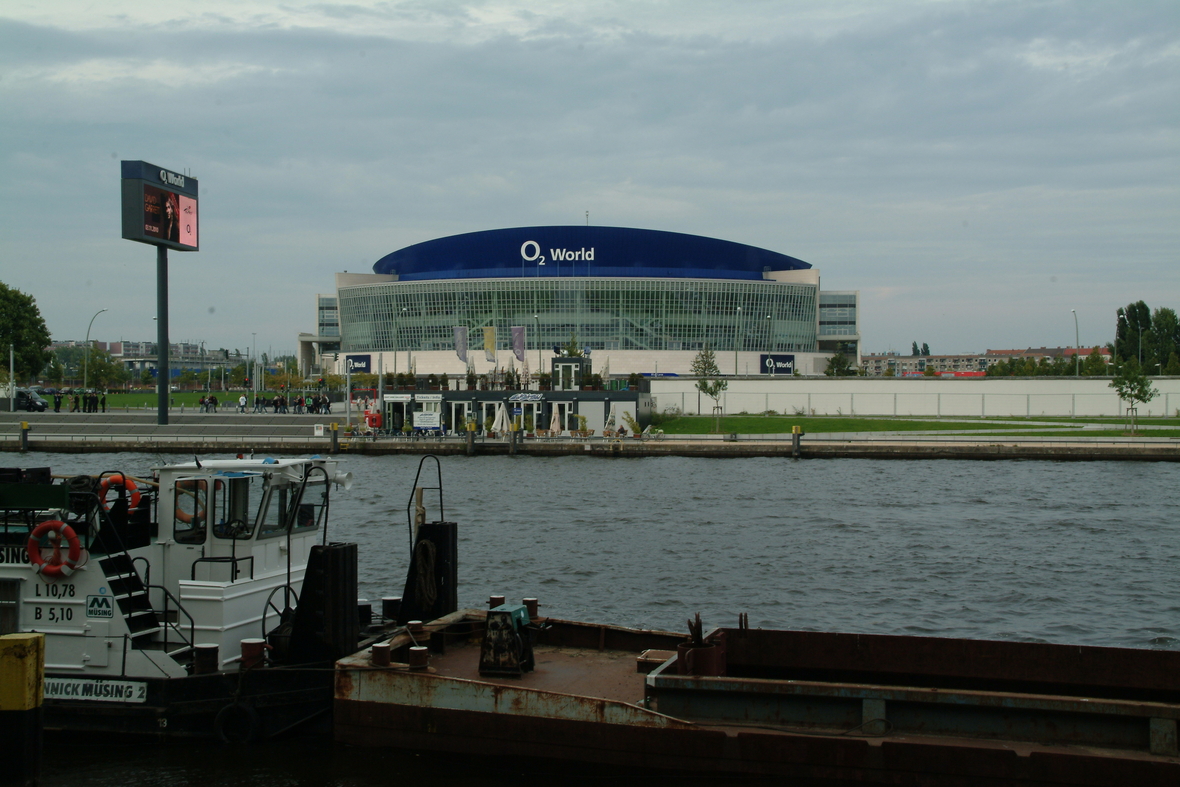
<point>501,422</point>
<point>555,422</point>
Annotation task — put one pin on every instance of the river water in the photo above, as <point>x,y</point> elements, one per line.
<point>1068,552</point>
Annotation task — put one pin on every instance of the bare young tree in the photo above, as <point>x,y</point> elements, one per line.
<point>709,380</point>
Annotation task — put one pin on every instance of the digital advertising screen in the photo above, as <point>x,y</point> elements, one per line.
<point>159,206</point>
<point>169,216</point>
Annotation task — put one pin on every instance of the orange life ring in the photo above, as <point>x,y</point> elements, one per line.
<point>193,487</point>
<point>119,480</point>
<point>56,566</point>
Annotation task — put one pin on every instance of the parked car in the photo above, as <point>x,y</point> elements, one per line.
<point>30,400</point>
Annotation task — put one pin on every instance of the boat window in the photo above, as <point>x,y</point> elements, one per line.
<point>272,516</point>
<point>232,502</point>
<point>283,505</point>
<point>189,520</point>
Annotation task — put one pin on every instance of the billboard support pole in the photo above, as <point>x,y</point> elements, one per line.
<point>164,377</point>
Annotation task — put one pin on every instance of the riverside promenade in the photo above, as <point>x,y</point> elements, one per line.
<point>231,432</point>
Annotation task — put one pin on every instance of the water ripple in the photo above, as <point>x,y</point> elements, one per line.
<point>1029,551</point>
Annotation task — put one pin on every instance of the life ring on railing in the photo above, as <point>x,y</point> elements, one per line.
<point>119,480</point>
<point>56,566</point>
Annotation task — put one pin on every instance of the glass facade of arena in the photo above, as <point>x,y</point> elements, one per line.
<point>604,314</point>
<point>838,329</point>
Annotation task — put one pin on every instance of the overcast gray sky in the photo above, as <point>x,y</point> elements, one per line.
<point>975,169</point>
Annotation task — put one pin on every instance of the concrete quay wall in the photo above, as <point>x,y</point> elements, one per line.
<point>294,435</point>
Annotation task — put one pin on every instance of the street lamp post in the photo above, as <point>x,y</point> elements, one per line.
<point>770,342</point>
<point>1077,361</point>
<point>397,342</point>
<point>537,340</point>
<point>86,357</point>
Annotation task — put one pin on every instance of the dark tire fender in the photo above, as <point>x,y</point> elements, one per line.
<point>237,722</point>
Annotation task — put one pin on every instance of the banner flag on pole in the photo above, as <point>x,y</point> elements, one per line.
<point>489,343</point>
<point>461,342</point>
<point>518,341</point>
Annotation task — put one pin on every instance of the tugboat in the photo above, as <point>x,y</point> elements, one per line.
<point>203,601</point>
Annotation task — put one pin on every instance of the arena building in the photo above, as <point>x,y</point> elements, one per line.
<point>639,300</point>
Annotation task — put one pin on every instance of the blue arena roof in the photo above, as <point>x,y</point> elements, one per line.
<point>609,252</point>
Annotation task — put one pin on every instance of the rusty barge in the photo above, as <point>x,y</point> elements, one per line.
<point>831,707</point>
<point>819,707</point>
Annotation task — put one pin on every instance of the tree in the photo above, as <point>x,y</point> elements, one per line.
<point>237,375</point>
<point>22,326</point>
<point>925,348</point>
<point>839,366</point>
<point>709,381</point>
<point>1165,335</point>
<point>1173,367</point>
<point>916,352</point>
<point>1132,385</point>
<point>1094,365</point>
<point>1132,324</point>
<point>102,370</point>
<point>56,372</point>
<point>572,349</point>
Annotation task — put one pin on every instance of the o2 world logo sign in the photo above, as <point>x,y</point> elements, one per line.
<point>530,251</point>
<point>777,364</point>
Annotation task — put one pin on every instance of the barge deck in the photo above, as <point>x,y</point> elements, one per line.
<point>821,707</point>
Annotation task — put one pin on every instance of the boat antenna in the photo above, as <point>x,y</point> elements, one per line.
<point>198,461</point>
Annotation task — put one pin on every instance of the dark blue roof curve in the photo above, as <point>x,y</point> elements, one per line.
<point>607,252</point>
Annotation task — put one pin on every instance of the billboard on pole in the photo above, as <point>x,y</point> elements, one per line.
<point>159,206</point>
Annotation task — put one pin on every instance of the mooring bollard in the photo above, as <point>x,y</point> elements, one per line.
<point>24,436</point>
<point>335,438</point>
<point>470,441</point>
<point>379,655</point>
<point>391,607</point>
<point>22,674</point>
<point>796,440</point>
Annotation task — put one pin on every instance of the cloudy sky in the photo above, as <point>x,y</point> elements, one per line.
<point>975,169</point>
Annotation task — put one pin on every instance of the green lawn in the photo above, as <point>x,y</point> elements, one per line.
<point>190,399</point>
<point>759,424</point>
<point>1097,433</point>
<point>1113,421</point>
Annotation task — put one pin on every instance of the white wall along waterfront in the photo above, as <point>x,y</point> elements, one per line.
<point>1022,397</point>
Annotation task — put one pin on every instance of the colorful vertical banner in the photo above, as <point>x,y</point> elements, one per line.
<point>489,343</point>
<point>518,341</point>
<point>461,342</point>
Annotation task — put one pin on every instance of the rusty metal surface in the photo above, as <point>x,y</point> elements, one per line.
<point>567,683</point>
<point>1030,667</point>
<point>1130,724</point>
<point>585,704</point>
<point>907,760</point>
